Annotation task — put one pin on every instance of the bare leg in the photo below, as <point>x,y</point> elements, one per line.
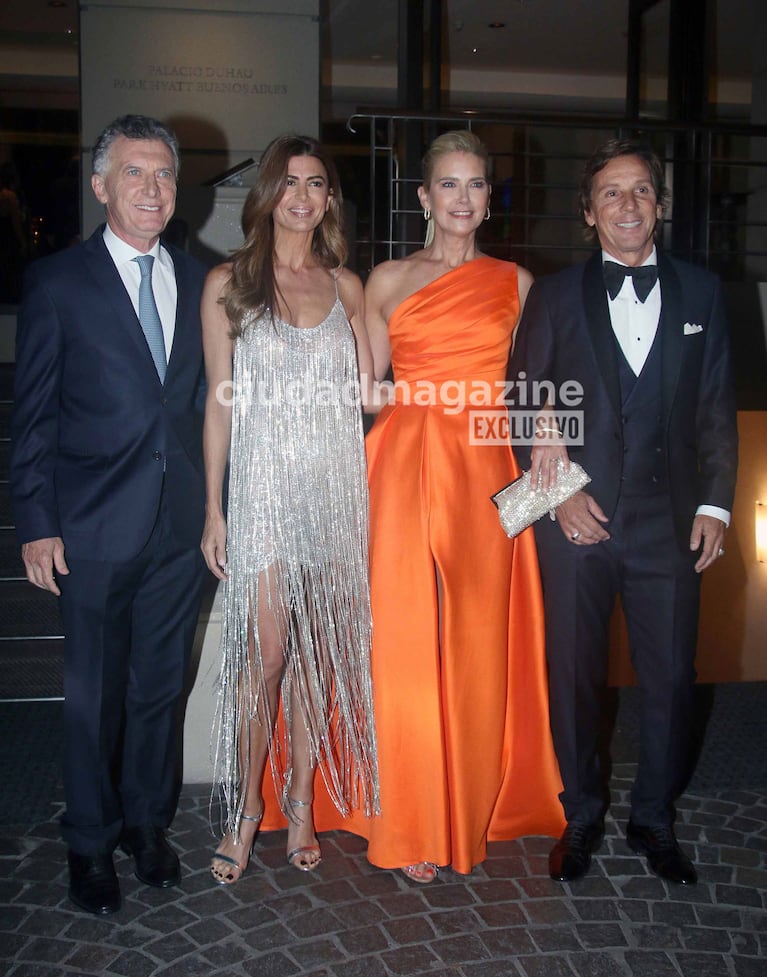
<point>303,848</point>
<point>255,734</point>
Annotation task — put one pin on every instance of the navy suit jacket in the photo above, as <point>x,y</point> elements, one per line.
<point>566,334</point>
<point>95,433</point>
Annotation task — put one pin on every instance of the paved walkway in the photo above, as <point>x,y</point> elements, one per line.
<point>507,919</point>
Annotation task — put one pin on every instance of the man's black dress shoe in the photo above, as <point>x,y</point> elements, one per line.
<point>664,855</point>
<point>156,862</point>
<point>93,884</point>
<point>570,858</point>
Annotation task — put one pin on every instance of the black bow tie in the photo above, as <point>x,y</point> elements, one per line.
<point>644,278</point>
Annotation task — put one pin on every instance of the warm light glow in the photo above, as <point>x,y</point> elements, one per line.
<point>761,532</point>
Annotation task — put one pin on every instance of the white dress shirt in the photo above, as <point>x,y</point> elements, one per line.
<point>163,280</point>
<point>635,324</point>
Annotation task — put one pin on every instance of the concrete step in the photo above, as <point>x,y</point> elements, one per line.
<point>31,669</point>
<point>27,612</point>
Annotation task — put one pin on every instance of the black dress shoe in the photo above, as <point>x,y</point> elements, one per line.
<point>664,855</point>
<point>156,862</point>
<point>570,858</point>
<point>93,884</point>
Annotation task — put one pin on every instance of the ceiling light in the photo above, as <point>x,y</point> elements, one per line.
<point>496,25</point>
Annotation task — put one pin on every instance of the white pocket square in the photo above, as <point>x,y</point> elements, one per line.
<point>690,328</point>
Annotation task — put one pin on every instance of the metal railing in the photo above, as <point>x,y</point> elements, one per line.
<point>717,174</point>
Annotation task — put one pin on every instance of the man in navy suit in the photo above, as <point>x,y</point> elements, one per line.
<point>108,494</point>
<point>644,337</point>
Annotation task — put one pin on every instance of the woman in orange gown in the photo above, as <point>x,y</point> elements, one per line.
<point>465,753</point>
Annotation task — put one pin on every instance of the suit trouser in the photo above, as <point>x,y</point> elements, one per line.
<point>129,628</point>
<point>660,593</point>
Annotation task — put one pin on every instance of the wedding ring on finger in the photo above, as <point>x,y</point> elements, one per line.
<point>575,536</point>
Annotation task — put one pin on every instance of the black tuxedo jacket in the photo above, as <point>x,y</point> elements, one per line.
<point>95,433</point>
<point>566,334</point>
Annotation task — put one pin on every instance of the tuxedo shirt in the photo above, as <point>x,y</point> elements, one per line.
<point>635,323</point>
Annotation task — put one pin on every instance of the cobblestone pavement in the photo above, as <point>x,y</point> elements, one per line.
<point>349,919</point>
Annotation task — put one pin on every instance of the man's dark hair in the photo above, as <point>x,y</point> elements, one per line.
<point>610,150</point>
<point>132,127</point>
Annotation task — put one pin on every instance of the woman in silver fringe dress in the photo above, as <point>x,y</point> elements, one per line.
<point>285,346</point>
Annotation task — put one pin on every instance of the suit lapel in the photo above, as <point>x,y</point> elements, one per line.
<point>182,293</point>
<point>600,329</point>
<point>672,335</point>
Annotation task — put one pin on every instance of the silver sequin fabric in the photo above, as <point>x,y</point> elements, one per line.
<point>297,549</point>
<point>520,505</point>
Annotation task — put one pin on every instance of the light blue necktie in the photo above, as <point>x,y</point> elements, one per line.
<point>149,317</point>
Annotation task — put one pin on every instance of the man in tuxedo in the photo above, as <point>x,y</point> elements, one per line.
<point>644,337</point>
<point>108,494</point>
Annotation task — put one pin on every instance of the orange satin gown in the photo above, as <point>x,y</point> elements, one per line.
<point>459,674</point>
<point>459,677</point>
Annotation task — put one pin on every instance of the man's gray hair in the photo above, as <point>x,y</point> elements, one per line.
<point>132,127</point>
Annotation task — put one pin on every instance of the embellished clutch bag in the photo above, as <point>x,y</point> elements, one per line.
<point>520,505</point>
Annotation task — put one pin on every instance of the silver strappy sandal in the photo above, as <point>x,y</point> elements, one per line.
<point>230,878</point>
<point>308,857</point>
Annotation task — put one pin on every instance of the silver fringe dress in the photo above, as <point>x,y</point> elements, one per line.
<point>298,540</point>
